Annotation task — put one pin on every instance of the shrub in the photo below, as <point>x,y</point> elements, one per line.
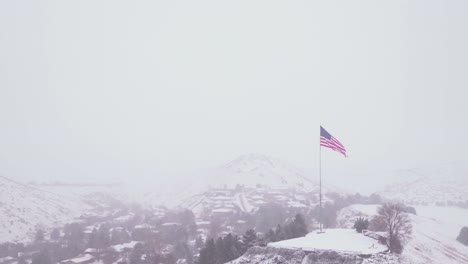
<point>463,236</point>
<point>377,224</point>
<point>361,224</point>
<point>410,210</point>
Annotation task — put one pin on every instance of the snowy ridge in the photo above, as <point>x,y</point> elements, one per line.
<point>446,184</point>
<point>24,209</point>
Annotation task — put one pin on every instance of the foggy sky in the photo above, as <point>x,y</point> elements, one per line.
<point>119,89</point>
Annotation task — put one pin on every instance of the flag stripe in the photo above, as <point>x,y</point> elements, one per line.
<point>337,142</point>
<point>335,148</point>
<point>328,141</point>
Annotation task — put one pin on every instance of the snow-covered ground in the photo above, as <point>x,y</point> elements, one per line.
<point>24,209</point>
<point>341,240</point>
<point>434,233</point>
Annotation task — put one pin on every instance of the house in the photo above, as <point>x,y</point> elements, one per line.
<point>91,251</point>
<point>125,247</point>
<point>203,224</point>
<point>82,259</point>
<point>7,260</point>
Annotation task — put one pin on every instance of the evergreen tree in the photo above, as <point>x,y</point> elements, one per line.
<point>249,239</point>
<point>270,236</point>
<point>93,241</point>
<point>230,249</point>
<point>55,235</point>
<point>22,260</point>
<point>219,245</point>
<point>182,251</point>
<point>103,237</point>
<point>199,242</point>
<point>208,253</point>
<point>279,233</point>
<point>39,235</point>
<point>361,224</point>
<point>298,227</point>
<point>42,257</point>
<point>137,252</point>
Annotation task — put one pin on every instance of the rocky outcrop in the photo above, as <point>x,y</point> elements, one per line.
<point>331,257</point>
<point>270,255</point>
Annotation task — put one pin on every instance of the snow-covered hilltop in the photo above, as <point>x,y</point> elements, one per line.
<point>252,170</point>
<point>24,209</point>
<point>242,177</point>
<point>246,183</point>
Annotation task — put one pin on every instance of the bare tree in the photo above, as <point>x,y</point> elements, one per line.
<point>398,224</point>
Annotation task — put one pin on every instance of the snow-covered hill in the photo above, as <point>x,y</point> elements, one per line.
<point>445,184</point>
<point>253,171</point>
<point>24,209</point>
<point>434,232</point>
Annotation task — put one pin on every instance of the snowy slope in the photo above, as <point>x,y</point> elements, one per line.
<point>445,184</point>
<point>23,209</point>
<point>434,233</point>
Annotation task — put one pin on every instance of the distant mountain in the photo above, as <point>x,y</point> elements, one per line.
<point>24,209</point>
<point>445,184</point>
<point>243,184</point>
<point>252,170</point>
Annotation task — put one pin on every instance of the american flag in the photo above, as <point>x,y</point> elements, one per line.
<point>329,141</point>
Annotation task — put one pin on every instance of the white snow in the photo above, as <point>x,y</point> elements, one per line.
<point>24,209</point>
<point>440,184</point>
<point>80,259</point>
<point>434,233</point>
<point>343,240</point>
<point>124,246</point>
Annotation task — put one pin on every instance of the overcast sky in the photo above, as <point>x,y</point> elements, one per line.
<point>116,89</point>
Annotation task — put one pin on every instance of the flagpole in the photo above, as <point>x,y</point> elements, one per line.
<point>320,182</point>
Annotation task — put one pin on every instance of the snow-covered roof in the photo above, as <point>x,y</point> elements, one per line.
<point>79,259</point>
<point>6,259</point>
<point>90,250</point>
<point>222,210</point>
<point>122,247</point>
<point>143,226</point>
<point>296,204</point>
<point>343,240</point>
<point>171,224</point>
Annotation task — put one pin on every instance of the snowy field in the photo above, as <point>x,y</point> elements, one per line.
<point>343,240</point>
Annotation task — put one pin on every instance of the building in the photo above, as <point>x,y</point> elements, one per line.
<point>82,259</point>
